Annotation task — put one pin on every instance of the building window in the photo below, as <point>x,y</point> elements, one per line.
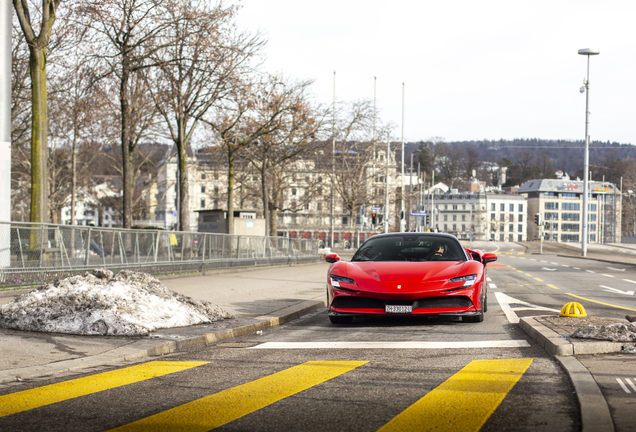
<point>202,189</point>
<point>502,207</point>
<point>445,218</point>
<point>520,208</point>
<point>454,227</point>
<point>463,227</point>
<point>502,217</point>
<point>511,217</point>
<point>492,207</point>
<point>319,206</point>
<point>511,227</point>
<point>202,203</point>
<point>570,216</point>
<point>463,218</point>
<point>520,237</point>
<point>510,237</point>
<point>492,216</point>
<point>293,191</point>
<point>202,176</point>
<point>569,227</point>
<point>592,237</point>
<point>216,189</point>
<point>501,237</point>
<point>571,206</point>
<point>520,218</point>
<point>569,195</point>
<point>454,206</point>
<point>463,206</point>
<point>551,206</point>
<point>550,194</point>
<point>520,228</point>
<point>591,218</point>
<point>569,238</point>
<point>445,206</point>
<point>345,220</point>
<point>454,218</point>
<point>592,207</point>
<point>551,216</point>
<point>445,228</point>
<point>512,208</point>
<point>592,227</point>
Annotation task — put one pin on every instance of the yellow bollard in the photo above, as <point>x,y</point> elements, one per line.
<point>573,309</point>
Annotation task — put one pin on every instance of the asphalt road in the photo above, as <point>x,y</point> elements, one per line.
<point>403,374</point>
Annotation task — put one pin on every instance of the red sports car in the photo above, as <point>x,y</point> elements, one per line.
<point>408,273</point>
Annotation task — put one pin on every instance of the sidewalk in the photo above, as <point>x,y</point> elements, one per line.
<point>258,298</point>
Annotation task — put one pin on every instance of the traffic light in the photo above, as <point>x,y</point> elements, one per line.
<point>401,214</point>
<point>374,218</point>
<point>537,219</point>
<point>426,220</point>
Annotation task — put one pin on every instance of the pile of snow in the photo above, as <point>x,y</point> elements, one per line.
<point>613,332</point>
<point>129,304</point>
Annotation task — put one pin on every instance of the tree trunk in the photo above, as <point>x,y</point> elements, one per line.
<point>266,212</point>
<point>126,154</point>
<point>273,215</point>
<point>184,196</point>
<point>39,136</point>
<point>230,192</point>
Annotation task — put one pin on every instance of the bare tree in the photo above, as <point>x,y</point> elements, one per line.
<point>250,111</point>
<point>299,125</point>
<point>38,44</point>
<point>128,34</point>
<point>194,73</point>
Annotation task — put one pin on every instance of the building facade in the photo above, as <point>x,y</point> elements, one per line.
<point>560,203</point>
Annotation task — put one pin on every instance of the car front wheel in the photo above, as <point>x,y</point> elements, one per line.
<point>474,318</point>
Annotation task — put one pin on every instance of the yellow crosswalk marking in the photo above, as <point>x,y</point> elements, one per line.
<point>465,400</point>
<point>37,397</point>
<point>228,405</point>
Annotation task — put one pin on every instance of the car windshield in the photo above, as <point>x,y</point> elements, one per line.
<point>410,248</point>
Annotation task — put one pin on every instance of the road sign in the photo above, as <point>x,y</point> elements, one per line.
<point>418,213</point>
<point>376,208</point>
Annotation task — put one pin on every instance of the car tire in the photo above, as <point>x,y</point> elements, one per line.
<point>484,303</point>
<point>340,319</point>
<point>474,318</point>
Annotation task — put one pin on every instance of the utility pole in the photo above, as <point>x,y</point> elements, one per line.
<point>333,161</point>
<point>5,132</point>
<point>402,220</point>
<point>386,180</point>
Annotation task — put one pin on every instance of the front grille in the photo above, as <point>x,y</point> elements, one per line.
<point>425,303</point>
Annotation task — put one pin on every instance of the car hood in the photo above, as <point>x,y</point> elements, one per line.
<point>409,276</point>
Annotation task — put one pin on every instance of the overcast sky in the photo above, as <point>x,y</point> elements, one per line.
<point>484,69</point>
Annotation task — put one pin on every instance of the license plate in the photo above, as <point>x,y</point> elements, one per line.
<point>398,309</point>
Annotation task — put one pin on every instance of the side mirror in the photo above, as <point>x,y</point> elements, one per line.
<point>332,258</point>
<point>489,257</point>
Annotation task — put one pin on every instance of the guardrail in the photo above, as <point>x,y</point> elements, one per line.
<point>32,253</point>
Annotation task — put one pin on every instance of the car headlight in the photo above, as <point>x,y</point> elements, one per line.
<point>335,280</point>
<point>468,280</point>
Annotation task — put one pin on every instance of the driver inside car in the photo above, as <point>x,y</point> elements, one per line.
<point>437,252</point>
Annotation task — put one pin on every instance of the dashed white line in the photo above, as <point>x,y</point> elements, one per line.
<point>590,271</point>
<point>627,280</point>
<point>488,279</point>
<point>543,261</point>
<point>612,268</point>
<point>554,263</point>
<point>623,385</point>
<point>576,268</point>
<point>564,265</point>
<point>532,259</point>
<point>603,274</point>
<point>492,285</point>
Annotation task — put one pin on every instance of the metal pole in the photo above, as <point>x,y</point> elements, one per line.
<point>386,181</point>
<point>433,200</point>
<point>587,160</point>
<point>333,160</point>
<point>402,215</point>
<point>5,132</point>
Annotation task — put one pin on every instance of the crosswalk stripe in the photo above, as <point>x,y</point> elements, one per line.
<point>464,401</point>
<point>46,395</point>
<point>220,408</point>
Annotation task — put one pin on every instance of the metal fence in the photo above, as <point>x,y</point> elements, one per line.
<point>31,253</point>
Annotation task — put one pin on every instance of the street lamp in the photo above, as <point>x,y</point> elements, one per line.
<point>586,81</point>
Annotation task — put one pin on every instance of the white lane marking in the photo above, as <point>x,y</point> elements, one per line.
<point>521,257</point>
<point>548,269</point>
<point>623,385</point>
<point>627,280</point>
<point>564,265</point>
<point>576,268</point>
<point>617,291</point>
<point>590,271</point>
<point>612,268</point>
<point>542,261</point>
<point>393,345</point>
<point>532,259</point>
<point>554,263</point>
<point>603,274</point>
<point>505,301</point>
<point>631,384</point>
<point>492,285</point>
<point>488,279</point>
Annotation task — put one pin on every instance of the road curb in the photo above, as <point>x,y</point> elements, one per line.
<point>595,413</point>
<point>557,345</point>
<point>597,259</point>
<point>149,348</point>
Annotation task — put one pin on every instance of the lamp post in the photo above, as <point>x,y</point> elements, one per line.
<point>586,52</point>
